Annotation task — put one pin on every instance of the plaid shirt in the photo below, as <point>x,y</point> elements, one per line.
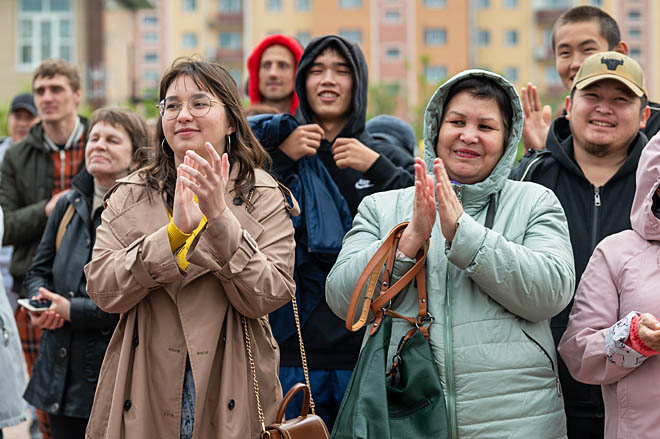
<point>66,164</point>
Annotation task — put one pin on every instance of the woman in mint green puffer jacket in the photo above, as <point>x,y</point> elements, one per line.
<point>492,290</point>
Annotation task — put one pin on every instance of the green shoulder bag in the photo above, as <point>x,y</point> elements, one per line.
<point>406,401</point>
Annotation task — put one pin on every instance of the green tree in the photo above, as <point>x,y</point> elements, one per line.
<point>382,99</point>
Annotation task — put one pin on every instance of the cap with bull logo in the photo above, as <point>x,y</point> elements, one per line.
<point>612,65</point>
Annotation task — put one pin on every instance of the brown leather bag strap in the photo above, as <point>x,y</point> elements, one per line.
<point>369,277</point>
<point>64,222</point>
<point>304,410</point>
<point>388,294</point>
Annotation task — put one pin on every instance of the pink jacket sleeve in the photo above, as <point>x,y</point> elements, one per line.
<point>595,311</point>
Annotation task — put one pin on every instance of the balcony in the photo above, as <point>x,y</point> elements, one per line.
<point>543,53</point>
<point>228,55</point>
<point>227,19</point>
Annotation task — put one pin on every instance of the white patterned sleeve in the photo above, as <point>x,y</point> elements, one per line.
<point>616,349</point>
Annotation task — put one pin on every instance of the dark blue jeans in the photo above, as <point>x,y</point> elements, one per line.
<point>328,387</point>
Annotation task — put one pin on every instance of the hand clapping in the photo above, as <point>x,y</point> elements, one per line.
<point>208,181</point>
<point>449,208</point>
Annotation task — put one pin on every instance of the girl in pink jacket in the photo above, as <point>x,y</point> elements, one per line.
<point>613,335</point>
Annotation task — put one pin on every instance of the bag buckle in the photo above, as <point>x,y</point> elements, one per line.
<point>422,320</point>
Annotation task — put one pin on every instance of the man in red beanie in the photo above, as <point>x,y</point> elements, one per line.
<point>272,67</point>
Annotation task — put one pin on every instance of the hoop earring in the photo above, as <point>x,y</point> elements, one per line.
<point>228,145</point>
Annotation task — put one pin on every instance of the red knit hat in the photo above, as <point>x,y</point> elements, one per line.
<point>255,58</point>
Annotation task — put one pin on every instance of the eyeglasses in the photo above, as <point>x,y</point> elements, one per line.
<point>198,106</point>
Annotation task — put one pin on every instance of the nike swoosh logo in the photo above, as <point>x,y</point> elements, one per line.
<point>363,184</point>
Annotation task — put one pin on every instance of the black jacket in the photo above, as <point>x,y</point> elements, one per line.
<point>65,374</point>
<point>593,213</point>
<point>25,188</point>
<point>328,343</point>
<point>653,124</point>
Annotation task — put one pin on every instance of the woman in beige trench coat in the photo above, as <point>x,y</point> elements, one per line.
<point>189,246</point>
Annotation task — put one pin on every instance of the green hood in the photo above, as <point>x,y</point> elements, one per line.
<point>433,113</point>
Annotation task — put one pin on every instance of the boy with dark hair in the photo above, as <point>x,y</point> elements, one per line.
<point>331,84</point>
<point>578,33</point>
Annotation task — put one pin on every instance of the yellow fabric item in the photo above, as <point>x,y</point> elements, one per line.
<point>182,241</point>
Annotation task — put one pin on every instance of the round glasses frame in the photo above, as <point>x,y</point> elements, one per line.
<point>173,113</point>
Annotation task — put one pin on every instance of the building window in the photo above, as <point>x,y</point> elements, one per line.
<point>483,4</point>
<point>483,37</point>
<point>597,3</point>
<point>435,74</point>
<point>189,40</point>
<point>554,4</point>
<point>635,52</point>
<point>231,6</point>
<point>303,38</point>
<point>435,3</point>
<point>230,40</point>
<point>302,5</point>
<point>551,76</point>
<point>274,5</point>
<point>151,57</point>
<point>189,5</point>
<point>511,73</point>
<point>150,20</point>
<point>236,74</point>
<point>350,4</point>
<point>635,33</point>
<point>354,35</point>
<point>150,37</point>
<point>45,30</point>
<point>151,76</point>
<point>435,36</point>
<point>634,14</point>
<point>510,4</point>
<point>510,37</point>
<point>392,53</point>
<point>392,16</point>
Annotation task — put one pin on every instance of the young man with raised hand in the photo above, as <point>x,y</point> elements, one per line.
<point>578,33</point>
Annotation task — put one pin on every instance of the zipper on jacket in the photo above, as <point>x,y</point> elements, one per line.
<point>594,224</point>
<point>449,360</point>
<point>5,333</point>
<point>449,345</point>
<point>62,168</point>
<point>552,364</point>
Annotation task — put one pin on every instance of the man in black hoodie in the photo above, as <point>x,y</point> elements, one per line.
<point>331,84</point>
<point>590,163</point>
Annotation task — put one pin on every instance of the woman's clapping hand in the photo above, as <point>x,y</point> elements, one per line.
<point>208,181</point>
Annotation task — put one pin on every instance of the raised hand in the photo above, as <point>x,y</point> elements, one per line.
<point>303,141</point>
<point>537,119</point>
<point>421,224</point>
<point>351,153</point>
<point>208,181</point>
<point>449,208</point>
<point>186,214</point>
<point>649,331</point>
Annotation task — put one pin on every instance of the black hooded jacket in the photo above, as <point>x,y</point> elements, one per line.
<point>328,343</point>
<point>394,169</point>
<point>593,213</point>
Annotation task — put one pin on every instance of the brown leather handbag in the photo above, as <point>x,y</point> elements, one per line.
<point>307,425</point>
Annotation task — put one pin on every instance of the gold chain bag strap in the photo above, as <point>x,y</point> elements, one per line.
<point>307,425</point>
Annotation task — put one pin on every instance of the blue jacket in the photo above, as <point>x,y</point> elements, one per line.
<point>319,229</point>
